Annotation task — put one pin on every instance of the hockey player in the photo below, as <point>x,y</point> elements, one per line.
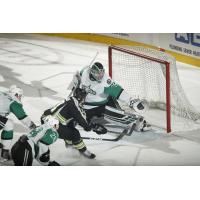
<point>10,102</point>
<point>35,145</point>
<point>69,114</point>
<point>103,96</point>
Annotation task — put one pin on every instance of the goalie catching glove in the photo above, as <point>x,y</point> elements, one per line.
<point>140,106</point>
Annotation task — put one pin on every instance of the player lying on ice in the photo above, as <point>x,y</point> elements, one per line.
<point>10,102</point>
<point>102,98</point>
<point>69,113</point>
<point>35,145</point>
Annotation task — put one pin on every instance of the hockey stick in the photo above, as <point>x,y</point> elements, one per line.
<point>126,131</point>
<point>93,59</point>
<point>72,90</point>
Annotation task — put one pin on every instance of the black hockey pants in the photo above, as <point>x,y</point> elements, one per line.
<point>22,152</point>
<point>100,110</point>
<point>70,133</point>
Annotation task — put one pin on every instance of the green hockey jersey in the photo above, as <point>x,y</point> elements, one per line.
<point>44,134</point>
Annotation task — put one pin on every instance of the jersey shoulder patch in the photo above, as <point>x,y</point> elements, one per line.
<point>107,80</point>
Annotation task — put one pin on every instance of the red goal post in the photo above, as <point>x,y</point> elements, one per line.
<point>146,57</point>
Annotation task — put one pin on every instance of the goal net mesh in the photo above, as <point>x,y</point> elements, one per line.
<point>146,79</point>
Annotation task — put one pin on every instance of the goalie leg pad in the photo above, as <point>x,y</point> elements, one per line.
<point>119,117</point>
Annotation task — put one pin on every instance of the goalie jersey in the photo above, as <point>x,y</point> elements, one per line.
<point>98,93</point>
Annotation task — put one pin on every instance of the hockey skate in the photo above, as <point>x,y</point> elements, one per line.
<point>146,126</point>
<point>142,125</point>
<point>88,154</point>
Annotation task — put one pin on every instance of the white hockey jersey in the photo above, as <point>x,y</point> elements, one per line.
<point>40,138</point>
<point>8,104</point>
<point>98,93</point>
<point>5,102</point>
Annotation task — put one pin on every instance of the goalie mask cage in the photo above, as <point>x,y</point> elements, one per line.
<point>152,75</point>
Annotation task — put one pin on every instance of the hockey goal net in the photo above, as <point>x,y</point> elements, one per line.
<point>152,75</point>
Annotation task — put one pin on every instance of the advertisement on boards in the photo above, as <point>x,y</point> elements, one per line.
<point>183,43</point>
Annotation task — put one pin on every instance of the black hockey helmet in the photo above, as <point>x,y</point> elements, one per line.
<point>79,94</point>
<point>97,71</point>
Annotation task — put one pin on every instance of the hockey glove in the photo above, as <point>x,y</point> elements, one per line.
<point>32,126</point>
<point>53,163</point>
<point>99,129</point>
<point>88,128</point>
<point>23,139</point>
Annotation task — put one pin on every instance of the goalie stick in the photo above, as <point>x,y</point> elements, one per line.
<point>126,131</point>
<point>72,90</point>
<point>114,126</point>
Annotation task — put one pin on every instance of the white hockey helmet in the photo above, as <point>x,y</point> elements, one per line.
<point>53,122</point>
<point>15,92</point>
<point>97,71</point>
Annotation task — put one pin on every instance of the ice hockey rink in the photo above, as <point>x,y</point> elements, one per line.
<point>43,66</point>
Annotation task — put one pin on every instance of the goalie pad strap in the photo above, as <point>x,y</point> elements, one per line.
<point>118,117</point>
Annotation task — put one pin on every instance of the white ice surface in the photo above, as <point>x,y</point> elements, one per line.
<point>43,67</point>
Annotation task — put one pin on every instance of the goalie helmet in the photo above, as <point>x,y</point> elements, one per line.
<point>16,92</point>
<point>97,72</point>
<point>79,94</point>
